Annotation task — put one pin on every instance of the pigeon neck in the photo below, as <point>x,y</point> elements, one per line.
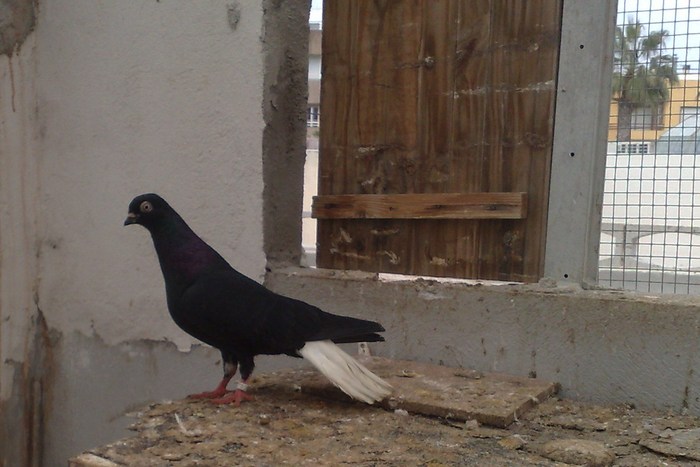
<point>182,254</point>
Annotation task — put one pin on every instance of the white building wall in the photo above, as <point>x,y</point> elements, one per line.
<point>314,67</point>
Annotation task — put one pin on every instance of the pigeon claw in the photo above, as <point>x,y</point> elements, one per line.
<point>235,398</point>
<point>220,391</point>
<point>217,393</point>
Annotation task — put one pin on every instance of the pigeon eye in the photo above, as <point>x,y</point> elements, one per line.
<point>146,206</point>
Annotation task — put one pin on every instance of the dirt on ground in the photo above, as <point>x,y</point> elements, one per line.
<point>287,426</point>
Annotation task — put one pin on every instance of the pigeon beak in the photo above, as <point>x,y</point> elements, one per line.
<point>131,218</point>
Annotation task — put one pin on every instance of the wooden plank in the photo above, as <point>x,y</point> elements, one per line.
<point>422,206</point>
<point>433,244</point>
<point>471,148</point>
<point>520,60</point>
<point>368,130</point>
<point>439,96</point>
<point>493,399</point>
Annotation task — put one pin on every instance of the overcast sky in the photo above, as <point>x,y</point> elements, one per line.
<point>316,11</point>
<point>681,18</point>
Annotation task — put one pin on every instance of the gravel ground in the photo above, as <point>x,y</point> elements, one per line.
<point>285,426</point>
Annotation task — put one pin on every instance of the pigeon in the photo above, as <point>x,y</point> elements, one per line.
<point>211,301</point>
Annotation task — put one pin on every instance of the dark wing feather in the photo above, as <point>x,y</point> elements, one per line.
<point>230,311</point>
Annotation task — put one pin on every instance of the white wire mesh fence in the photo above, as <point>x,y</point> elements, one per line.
<point>650,238</point>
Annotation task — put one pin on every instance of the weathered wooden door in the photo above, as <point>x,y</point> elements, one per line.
<point>436,136</point>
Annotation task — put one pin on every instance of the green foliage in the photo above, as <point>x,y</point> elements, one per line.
<point>642,73</point>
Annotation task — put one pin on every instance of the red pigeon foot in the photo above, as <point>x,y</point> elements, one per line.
<point>220,391</point>
<point>235,398</point>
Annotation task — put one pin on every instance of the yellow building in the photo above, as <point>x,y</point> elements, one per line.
<point>683,102</point>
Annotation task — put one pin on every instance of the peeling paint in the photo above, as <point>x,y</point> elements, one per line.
<point>384,233</point>
<point>349,254</point>
<point>345,236</point>
<point>377,149</point>
<point>543,86</point>
<point>393,257</point>
<point>431,295</point>
<point>368,149</point>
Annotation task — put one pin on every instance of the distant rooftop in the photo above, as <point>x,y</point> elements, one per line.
<point>683,138</point>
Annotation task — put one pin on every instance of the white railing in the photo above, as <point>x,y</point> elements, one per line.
<point>627,241</point>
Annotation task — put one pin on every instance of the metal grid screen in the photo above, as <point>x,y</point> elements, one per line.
<point>650,238</point>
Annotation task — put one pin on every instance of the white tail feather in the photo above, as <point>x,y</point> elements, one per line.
<point>353,378</point>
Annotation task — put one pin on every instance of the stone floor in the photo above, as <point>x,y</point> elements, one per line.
<point>289,423</point>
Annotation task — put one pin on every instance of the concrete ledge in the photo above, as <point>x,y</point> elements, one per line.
<point>601,346</point>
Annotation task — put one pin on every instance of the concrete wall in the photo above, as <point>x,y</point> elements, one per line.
<point>129,99</point>
<point>102,101</point>
<point>602,346</point>
<point>21,329</point>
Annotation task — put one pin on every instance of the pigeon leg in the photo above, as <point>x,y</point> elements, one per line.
<point>220,391</point>
<point>240,394</point>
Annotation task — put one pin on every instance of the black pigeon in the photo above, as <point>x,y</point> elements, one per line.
<point>216,304</point>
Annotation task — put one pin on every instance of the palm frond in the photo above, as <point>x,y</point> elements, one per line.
<point>642,74</point>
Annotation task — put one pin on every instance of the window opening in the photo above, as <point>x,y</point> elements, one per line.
<point>313,114</point>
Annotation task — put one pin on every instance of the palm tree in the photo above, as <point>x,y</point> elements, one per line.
<point>642,74</point>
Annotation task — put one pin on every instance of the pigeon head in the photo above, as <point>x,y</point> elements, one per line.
<point>150,211</point>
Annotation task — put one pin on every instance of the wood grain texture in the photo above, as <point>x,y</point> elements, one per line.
<point>438,96</point>
<point>422,206</point>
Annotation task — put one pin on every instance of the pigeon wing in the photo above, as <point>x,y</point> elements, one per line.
<point>228,310</point>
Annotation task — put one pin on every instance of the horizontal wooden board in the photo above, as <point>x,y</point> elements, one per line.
<point>421,206</point>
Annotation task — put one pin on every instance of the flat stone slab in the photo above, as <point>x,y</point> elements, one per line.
<point>457,394</point>
<point>683,443</point>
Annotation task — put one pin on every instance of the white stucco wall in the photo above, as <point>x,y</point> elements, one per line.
<point>103,101</point>
<point>136,97</point>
